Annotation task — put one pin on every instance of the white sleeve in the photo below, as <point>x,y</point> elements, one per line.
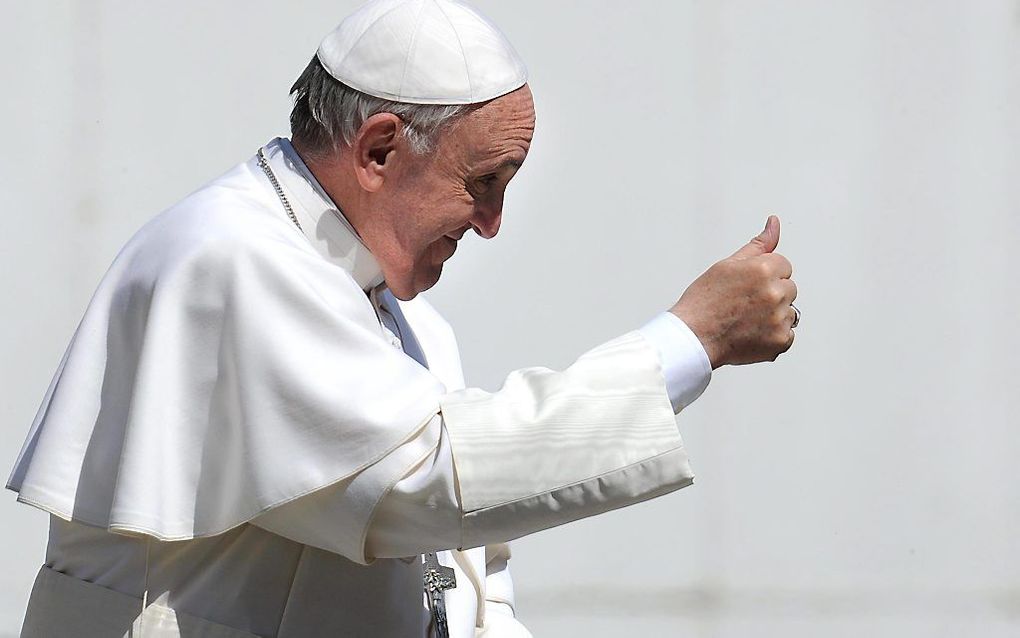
<point>422,511</point>
<point>546,449</point>
<point>685,363</point>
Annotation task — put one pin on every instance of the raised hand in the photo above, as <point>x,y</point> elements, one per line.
<point>741,307</point>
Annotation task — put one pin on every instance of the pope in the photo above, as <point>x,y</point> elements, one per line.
<point>260,428</point>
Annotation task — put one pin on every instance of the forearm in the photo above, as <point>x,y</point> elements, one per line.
<point>548,448</point>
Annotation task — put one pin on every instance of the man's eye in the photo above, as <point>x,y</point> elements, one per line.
<point>482,184</point>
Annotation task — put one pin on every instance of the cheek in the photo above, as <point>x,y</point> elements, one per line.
<point>438,207</point>
<point>448,212</point>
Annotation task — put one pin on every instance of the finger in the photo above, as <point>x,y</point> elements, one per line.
<point>783,344</point>
<point>789,289</point>
<point>765,242</point>
<point>778,265</point>
<point>791,316</point>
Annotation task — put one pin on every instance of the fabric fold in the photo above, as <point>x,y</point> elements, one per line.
<point>223,368</point>
<point>608,410</point>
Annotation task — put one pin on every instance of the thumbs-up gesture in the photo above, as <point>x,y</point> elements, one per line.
<point>741,307</point>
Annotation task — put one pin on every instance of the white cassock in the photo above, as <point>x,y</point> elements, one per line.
<point>244,439</point>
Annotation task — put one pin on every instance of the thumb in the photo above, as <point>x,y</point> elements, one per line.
<point>764,243</point>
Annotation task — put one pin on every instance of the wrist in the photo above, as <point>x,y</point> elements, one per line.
<point>711,344</point>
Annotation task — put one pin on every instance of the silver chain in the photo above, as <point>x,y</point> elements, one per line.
<point>264,163</point>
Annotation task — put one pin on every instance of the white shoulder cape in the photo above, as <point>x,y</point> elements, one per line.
<point>226,365</point>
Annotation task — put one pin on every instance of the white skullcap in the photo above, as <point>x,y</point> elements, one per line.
<point>422,52</point>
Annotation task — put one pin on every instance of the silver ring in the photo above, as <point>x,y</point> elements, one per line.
<point>796,317</point>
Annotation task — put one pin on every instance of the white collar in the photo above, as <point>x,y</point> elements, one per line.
<point>322,223</point>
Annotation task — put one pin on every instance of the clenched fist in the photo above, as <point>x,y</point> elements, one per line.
<point>740,308</point>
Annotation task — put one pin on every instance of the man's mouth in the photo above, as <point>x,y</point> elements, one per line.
<point>452,244</point>
<point>458,234</point>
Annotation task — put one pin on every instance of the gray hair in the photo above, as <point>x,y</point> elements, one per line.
<point>327,113</point>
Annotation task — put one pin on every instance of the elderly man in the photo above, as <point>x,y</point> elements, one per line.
<point>260,428</point>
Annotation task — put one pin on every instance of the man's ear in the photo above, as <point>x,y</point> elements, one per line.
<point>374,149</point>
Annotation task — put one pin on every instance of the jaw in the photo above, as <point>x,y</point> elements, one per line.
<point>406,283</point>
<point>422,271</point>
<point>405,290</point>
<point>410,266</point>
<point>401,283</point>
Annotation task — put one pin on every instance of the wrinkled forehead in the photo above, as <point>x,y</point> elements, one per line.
<point>502,128</point>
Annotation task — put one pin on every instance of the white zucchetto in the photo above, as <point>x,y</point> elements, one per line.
<point>422,52</point>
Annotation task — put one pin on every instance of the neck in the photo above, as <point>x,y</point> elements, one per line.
<point>335,173</point>
<point>339,184</point>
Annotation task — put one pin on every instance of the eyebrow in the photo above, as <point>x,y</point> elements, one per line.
<point>507,164</point>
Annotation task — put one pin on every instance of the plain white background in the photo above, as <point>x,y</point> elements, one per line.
<point>864,485</point>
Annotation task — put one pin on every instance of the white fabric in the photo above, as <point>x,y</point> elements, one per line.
<point>558,446</point>
<point>247,579</point>
<point>607,411</point>
<point>422,51</point>
<point>63,606</point>
<point>607,422</point>
<point>289,591</point>
<point>222,347</point>
<point>685,363</point>
<point>293,576</point>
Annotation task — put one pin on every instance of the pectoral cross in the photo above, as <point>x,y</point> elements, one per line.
<point>437,579</point>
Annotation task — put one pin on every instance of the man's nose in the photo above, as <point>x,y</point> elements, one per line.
<point>486,221</point>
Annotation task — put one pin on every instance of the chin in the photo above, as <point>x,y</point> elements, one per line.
<point>401,293</point>
<point>417,283</point>
<point>430,278</point>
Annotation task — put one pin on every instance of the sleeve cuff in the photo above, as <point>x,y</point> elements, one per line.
<point>685,363</point>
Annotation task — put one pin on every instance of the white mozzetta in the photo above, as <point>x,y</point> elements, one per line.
<point>214,374</point>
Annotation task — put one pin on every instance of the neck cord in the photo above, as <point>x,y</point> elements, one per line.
<point>264,164</point>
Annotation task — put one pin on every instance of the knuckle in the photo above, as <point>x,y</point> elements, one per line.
<point>773,295</point>
<point>793,290</point>
<point>788,339</point>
